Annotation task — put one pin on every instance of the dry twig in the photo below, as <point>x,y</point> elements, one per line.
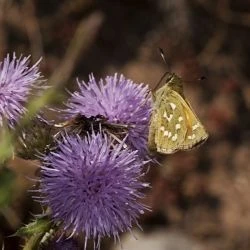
<point>83,38</point>
<point>32,29</point>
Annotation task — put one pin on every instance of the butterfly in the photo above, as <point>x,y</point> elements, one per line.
<point>174,125</point>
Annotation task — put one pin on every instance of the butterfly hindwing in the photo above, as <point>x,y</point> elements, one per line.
<point>196,133</point>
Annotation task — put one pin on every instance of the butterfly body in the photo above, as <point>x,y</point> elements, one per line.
<point>174,125</point>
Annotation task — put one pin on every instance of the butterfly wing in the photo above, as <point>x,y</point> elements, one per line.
<point>170,131</point>
<point>196,133</point>
<point>174,125</point>
<point>152,130</point>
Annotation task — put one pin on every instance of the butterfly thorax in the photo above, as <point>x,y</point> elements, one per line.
<point>175,83</point>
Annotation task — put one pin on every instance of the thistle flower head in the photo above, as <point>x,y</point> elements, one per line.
<point>16,82</point>
<point>118,99</point>
<point>92,186</point>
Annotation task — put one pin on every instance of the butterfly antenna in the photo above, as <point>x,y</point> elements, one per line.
<point>164,57</point>
<point>158,83</point>
<point>202,78</point>
<point>168,67</point>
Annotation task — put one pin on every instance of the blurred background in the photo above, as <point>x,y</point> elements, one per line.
<point>200,199</point>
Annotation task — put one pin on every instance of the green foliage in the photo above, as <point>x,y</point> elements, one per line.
<point>6,186</point>
<point>36,233</point>
<point>6,148</point>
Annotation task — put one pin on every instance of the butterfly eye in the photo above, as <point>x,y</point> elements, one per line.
<point>202,78</point>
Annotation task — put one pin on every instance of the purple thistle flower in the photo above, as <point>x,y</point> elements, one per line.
<point>16,83</point>
<point>118,99</point>
<point>92,186</point>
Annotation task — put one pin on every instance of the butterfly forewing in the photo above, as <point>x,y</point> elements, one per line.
<point>171,130</point>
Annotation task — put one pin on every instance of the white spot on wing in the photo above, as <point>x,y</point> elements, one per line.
<point>180,118</point>
<point>169,134</point>
<point>166,133</point>
<point>197,125</point>
<point>162,128</point>
<point>169,118</point>
<point>174,138</point>
<point>177,126</point>
<point>191,137</point>
<point>172,105</point>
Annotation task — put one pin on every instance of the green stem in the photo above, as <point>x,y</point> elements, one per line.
<point>33,242</point>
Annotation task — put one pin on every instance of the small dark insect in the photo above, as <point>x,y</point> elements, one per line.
<point>82,125</point>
